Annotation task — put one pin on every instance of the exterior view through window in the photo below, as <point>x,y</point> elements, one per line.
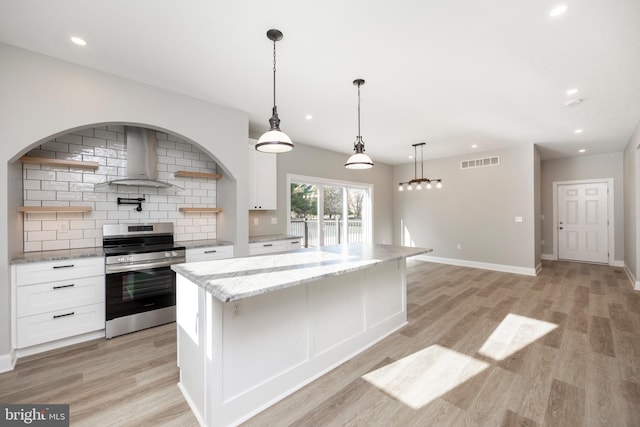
<point>328,212</point>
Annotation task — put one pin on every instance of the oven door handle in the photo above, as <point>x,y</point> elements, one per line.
<point>123,268</point>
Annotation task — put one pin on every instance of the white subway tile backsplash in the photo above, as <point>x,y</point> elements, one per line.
<point>32,225</point>
<point>54,185</point>
<point>53,245</point>
<point>82,243</point>
<point>69,176</point>
<point>32,246</point>
<point>34,236</point>
<point>70,138</point>
<point>40,195</point>
<point>31,184</point>
<point>40,175</point>
<point>64,186</point>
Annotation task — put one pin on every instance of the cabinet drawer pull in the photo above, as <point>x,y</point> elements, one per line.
<point>64,286</point>
<point>210,252</point>
<point>64,266</point>
<point>266,245</point>
<point>294,243</point>
<point>57,316</point>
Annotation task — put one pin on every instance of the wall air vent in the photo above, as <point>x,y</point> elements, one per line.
<point>479,163</point>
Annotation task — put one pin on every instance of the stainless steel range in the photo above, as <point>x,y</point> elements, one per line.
<point>140,285</point>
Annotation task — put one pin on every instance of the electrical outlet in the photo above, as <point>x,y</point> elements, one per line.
<point>256,221</point>
<point>274,220</point>
<point>63,227</point>
<point>459,246</point>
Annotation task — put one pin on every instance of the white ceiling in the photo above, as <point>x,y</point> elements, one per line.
<point>451,73</point>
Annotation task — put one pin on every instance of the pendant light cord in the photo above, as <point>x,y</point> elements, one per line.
<point>359,111</point>
<point>274,75</point>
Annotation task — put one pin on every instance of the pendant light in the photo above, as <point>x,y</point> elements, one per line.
<point>419,181</point>
<point>274,140</point>
<point>359,160</point>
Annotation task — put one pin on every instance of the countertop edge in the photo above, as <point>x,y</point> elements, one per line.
<point>219,293</point>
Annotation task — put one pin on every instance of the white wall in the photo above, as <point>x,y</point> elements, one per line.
<point>316,162</point>
<point>579,168</point>
<point>632,207</point>
<point>476,208</point>
<point>43,97</point>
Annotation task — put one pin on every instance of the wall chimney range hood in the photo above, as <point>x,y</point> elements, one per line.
<point>142,160</point>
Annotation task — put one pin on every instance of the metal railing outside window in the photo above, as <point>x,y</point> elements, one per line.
<point>308,229</point>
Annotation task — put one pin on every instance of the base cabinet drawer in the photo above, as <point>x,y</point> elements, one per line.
<point>53,271</point>
<point>56,296</point>
<point>273,246</point>
<point>209,253</point>
<point>40,328</point>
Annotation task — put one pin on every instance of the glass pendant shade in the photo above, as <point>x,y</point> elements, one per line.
<point>274,141</point>
<point>359,161</point>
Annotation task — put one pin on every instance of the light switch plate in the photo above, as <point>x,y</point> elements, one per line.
<point>518,219</point>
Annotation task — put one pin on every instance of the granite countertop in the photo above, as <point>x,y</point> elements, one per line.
<point>271,237</point>
<point>191,244</point>
<point>57,255</point>
<point>237,278</point>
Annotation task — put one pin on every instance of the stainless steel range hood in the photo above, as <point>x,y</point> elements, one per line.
<point>142,160</point>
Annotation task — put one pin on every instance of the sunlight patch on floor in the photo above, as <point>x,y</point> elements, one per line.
<point>514,333</point>
<point>420,378</point>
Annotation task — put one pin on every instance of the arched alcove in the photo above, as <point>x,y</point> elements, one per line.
<point>105,146</point>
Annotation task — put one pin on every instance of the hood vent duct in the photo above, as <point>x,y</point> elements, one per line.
<point>142,159</point>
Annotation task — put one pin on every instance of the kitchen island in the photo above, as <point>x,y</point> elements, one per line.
<point>253,330</point>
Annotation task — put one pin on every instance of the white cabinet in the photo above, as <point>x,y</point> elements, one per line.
<point>273,246</point>
<point>263,181</point>
<point>209,253</point>
<point>55,300</point>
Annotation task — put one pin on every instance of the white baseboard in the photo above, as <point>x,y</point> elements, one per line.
<point>617,263</point>
<point>7,361</point>
<point>40,348</point>
<point>538,268</point>
<point>481,265</point>
<point>548,257</point>
<point>634,281</point>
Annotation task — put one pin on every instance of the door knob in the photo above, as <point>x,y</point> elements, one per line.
<point>560,228</point>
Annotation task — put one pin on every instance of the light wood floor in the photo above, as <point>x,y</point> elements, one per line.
<point>481,348</point>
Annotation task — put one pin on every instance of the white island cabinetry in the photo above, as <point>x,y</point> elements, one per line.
<point>57,301</point>
<point>253,330</point>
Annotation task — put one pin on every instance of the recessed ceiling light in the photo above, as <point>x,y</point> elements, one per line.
<point>572,91</point>
<point>79,41</point>
<point>411,156</point>
<point>578,131</point>
<point>474,146</point>
<point>558,10</point>
<point>308,117</point>
<point>582,150</point>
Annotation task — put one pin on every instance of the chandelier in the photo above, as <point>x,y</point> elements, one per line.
<point>417,182</point>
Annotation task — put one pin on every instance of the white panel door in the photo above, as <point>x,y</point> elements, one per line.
<point>583,222</point>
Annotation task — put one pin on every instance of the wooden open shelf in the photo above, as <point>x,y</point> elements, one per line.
<point>59,162</point>
<point>189,174</point>
<point>212,210</point>
<point>41,209</point>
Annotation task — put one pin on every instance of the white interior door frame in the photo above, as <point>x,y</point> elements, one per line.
<point>610,212</point>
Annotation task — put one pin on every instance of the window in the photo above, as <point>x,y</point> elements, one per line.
<point>328,212</point>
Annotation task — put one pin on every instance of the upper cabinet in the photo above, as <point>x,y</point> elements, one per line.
<point>263,180</point>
